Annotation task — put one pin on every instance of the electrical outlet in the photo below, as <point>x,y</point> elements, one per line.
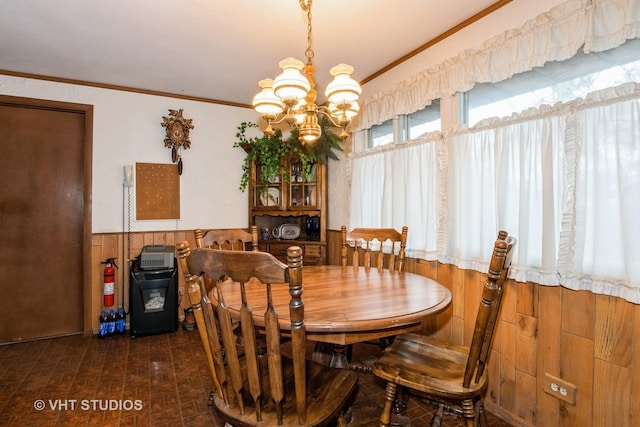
<point>559,388</point>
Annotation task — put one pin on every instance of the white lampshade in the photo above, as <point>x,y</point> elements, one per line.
<point>266,102</point>
<point>291,85</point>
<point>342,89</point>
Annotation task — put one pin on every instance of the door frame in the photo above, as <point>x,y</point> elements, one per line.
<point>87,111</point>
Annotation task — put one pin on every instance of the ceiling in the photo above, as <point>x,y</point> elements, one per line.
<point>214,49</point>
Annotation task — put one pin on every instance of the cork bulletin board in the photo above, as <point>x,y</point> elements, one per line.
<point>157,191</point>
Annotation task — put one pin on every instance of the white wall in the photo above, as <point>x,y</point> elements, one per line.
<point>509,17</point>
<point>127,129</point>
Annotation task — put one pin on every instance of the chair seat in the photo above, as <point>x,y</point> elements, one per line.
<point>428,365</point>
<point>326,388</point>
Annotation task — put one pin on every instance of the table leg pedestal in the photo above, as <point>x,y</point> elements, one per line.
<point>333,355</point>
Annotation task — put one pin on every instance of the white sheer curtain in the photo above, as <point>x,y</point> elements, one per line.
<point>506,175</point>
<point>397,186</point>
<point>593,25</point>
<point>599,248</point>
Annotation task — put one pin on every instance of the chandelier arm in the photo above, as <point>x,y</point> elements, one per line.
<point>282,117</point>
<point>323,110</point>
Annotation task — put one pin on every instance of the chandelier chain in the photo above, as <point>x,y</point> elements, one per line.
<point>305,5</point>
<point>309,52</point>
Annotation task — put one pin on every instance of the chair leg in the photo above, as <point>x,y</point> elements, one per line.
<point>481,414</point>
<point>469,412</point>
<point>436,421</point>
<point>401,400</point>
<point>386,342</point>
<point>389,398</point>
<point>346,417</point>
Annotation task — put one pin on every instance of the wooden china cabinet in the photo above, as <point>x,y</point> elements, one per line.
<point>300,202</point>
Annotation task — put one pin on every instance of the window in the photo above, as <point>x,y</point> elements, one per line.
<point>425,120</point>
<point>555,82</point>
<point>406,126</point>
<point>381,134</point>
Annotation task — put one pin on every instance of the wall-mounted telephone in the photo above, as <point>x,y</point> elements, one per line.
<point>128,176</point>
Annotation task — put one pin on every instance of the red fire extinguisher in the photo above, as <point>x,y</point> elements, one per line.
<point>109,281</point>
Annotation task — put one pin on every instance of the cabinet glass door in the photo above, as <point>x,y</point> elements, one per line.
<point>267,191</point>
<point>303,187</point>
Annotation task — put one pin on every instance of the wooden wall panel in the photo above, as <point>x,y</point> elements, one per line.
<point>548,354</point>
<point>576,367</point>
<point>525,397</point>
<point>611,395</point>
<point>526,344</point>
<point>425,268</point>
<point>527,298</point>
<point>493,374</point>
<point>458,291</point>
<point>457,330</point>
<point>507,350</point>
<point>96,282</point>
<point>613,336</point>
<point>509,310</point>
<point>333,247</point>
<point>443,325</point>
<point>507,394</point>
<point>578,309</point>
<point>472,291</point>
<point>444,321</point>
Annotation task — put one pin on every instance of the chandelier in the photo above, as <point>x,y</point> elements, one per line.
<point>291,97</point>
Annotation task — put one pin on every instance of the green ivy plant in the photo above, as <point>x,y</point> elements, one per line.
<point>269,151</point>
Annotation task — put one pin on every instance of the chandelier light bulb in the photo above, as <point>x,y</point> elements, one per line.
<point>299,111</point>
<point>346,112</point>
<point>291,86</point>
<point>310,130</point>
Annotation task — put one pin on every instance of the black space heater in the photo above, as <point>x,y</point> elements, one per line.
<point>153,292</point>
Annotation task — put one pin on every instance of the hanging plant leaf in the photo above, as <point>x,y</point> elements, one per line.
<point>321,150</point>
<point>269,151</point>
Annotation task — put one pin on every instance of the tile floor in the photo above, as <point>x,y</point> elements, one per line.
<point>152,381</point>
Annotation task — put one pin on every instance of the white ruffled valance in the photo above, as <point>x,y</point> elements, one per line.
<point>595,25</point>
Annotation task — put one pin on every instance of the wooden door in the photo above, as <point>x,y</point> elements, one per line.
<point>43,217</point>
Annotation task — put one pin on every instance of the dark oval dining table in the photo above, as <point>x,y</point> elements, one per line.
<point>347,305</point>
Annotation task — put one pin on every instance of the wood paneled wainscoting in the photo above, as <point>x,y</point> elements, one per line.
<point>591,341</point>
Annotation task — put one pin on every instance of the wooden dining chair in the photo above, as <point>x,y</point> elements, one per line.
<point>453,376</point>
<point>234,239</point>
<point>370,247</point>
<point>254,390</point>
<point>377,247</point>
